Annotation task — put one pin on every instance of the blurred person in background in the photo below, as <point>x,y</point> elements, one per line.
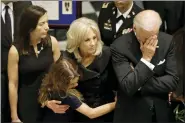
<point>10,13</point>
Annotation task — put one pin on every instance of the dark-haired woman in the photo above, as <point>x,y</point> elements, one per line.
<point>29,58</point>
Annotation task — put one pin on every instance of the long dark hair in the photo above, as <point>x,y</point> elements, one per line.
<point>179,40</point>
<point>58,80</point>
<point>28,22</point>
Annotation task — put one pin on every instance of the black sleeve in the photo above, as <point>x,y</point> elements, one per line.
<point>167,82</point>
<point>129,80</point>
<point>72,101</point>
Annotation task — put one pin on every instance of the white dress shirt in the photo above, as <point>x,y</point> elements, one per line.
<point>125,14</point>
<point>10,11</point>
<point>150,65</point>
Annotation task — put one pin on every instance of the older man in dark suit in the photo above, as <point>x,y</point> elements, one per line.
<point>146,70</point>
<point>10,12</point>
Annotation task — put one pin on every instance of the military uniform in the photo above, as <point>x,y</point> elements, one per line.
<point>107,22</point>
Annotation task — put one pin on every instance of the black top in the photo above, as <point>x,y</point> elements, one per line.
<point>68,99</point>
<point>31,66</point>
<point>95,83</point>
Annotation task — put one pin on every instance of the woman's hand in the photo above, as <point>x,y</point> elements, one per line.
<point>56,107</point>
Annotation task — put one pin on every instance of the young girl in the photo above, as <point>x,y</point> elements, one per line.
<point>59,84</point>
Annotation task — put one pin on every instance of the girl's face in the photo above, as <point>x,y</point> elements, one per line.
<point>73,82</point>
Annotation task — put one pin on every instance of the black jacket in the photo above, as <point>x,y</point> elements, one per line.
<point>96,83</point>
<point>142,91</point>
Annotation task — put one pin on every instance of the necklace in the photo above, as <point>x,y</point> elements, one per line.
<point>40,48</point>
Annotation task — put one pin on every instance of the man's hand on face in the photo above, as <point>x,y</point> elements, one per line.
<point>149,47</point>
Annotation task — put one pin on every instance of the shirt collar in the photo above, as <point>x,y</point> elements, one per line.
<point>125,13</point>
<point>9,4</point>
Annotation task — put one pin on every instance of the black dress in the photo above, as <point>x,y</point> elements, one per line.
<point>95,84</point>
<point>70,100</point>
<point>31,71</point>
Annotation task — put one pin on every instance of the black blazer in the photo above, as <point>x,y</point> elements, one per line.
<point>96,80</point>
<point>6,41</point>
<point>143,91</point>
<point>96,83</point>
<point>108,16</point>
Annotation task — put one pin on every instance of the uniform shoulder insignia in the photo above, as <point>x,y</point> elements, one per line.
<point>105,5</point>
<point>125,31</point>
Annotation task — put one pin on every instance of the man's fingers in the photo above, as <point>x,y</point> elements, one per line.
<point>156,42</point>
<point>148,41</point>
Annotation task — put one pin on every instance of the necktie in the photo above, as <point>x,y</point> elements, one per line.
<point>120,18</point>
<point>8,21</point>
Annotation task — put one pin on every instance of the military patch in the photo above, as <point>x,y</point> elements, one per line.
<point>125,31</point>
<point>108,26</point>
<point>105,5</point>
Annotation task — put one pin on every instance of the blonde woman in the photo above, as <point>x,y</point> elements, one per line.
<point>85,47</point>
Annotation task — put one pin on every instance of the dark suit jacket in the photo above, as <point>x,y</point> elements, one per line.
<point>108,16</point>
<point>6,41</point>
<point>143,91</point>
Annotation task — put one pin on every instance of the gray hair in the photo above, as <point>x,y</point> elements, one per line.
<point>76,35</point>
<point>148,20</point>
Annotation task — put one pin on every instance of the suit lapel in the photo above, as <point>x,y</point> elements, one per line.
<point>156,56</point>
<point>100,62</point>
<point>17,14</point>
<point>134,48</point>
<point>113,18</point>
<point>86,73</point>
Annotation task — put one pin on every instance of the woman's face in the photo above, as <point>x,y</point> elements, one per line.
<point>42,27</point>
<point>73,82</point>
<point>89,45</point>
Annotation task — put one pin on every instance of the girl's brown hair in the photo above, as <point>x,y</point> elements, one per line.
<point>58,80</point>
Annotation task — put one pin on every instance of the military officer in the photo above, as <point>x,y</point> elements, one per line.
<point>116,19</point>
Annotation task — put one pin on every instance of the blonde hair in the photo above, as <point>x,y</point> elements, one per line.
<point>148,20</point>
<point>76,35</point>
